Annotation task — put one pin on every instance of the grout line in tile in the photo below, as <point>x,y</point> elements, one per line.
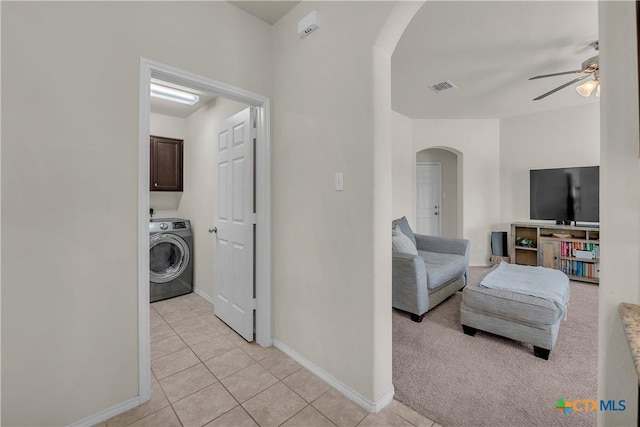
<point>305,407</point>
<point>224,387</point>
<point>250,416</point>
<point>298,394</point>
<point>424,416</point>
<point>395,413</point>
<point>176,372</point>
<point>176,414</point>
<point>200,389</point>
<point>314,400</point>
<point>254,420</point>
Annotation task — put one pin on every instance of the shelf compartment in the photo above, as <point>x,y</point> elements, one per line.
<point>527,257</point>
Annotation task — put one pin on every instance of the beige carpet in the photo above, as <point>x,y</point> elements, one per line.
<point>487,380</point>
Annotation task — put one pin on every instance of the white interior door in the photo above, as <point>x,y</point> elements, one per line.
<point>428,199</point>
<point>234,278</point>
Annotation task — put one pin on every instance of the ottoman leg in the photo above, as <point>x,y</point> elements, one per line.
<point>468,330</point>
<point>542,353</point>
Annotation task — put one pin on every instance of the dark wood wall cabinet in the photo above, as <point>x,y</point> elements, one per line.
<point>166,164</point>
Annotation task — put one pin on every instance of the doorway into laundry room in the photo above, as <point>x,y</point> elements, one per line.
<point>223,167</point>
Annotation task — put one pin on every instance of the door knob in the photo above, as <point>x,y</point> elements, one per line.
<point>213,230</point>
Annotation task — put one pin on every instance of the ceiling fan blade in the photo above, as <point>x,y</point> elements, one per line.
<point>542,76</point>
<point>562,87</point>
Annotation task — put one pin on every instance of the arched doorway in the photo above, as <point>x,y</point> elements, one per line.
<point>448,203</point>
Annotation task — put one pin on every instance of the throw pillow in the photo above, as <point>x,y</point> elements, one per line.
<point>405,228</point>
<point>401,243</point>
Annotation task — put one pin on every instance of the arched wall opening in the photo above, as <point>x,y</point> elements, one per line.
<point>619,205</point>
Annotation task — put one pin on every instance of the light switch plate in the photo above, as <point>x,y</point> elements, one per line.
<point>339,181</point>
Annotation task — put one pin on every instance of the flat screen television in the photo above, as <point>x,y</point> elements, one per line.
<point>565,194</point>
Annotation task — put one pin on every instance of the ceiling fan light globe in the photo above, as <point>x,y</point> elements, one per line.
<point>585,89</point>
<point>598,90</point>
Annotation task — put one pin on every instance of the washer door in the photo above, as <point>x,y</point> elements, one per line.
<point>168,257</point>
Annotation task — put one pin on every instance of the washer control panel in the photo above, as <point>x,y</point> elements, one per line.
<point>168,224</point>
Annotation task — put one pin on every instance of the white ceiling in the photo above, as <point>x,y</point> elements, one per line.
<point>489,50</point>
<point>268,11</point>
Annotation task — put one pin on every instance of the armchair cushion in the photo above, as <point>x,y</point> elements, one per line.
<point>405,228</point>
<point>401,243</point>
<point>442,268</point>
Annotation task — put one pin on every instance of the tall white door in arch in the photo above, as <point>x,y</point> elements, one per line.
<point>428,199</point>
<point>234,277</point>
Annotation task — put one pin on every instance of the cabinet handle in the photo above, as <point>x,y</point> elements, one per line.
<point>155,185</point>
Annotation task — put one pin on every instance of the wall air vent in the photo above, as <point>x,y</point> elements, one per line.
<point>439,87</point>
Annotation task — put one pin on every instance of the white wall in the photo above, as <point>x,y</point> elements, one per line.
<point>199,196</point>
<point>619,205</point>
<point>448,187</point>
<point>167,126</point>
<point>479,143</point>
<point>403,169</point>
<point>566,137</point>
<point>326,300</point>
<point>69,193</point>
<point>165,203</point>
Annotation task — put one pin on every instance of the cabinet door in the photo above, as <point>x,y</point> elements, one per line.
<point>166,164</point>
<point>549,253</point>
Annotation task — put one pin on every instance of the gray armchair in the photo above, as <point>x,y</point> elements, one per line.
<point>422,281</point>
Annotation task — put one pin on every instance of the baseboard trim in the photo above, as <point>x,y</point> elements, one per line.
<point>103,416</point>
<point>367,404</point>
<point>203,295</point>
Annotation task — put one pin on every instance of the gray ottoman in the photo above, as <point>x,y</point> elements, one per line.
<point>512,315</point>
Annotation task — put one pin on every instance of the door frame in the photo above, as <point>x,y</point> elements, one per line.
<point>149,69</point>
<point>439,164</point>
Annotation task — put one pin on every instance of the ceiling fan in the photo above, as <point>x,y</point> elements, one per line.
<point>590,68</point>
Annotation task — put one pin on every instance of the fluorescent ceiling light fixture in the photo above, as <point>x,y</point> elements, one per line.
<point>175,95</point>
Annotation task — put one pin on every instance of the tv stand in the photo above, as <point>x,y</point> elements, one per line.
<point>575,250</point>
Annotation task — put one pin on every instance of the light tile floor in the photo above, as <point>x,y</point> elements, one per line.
<point>204,374</point>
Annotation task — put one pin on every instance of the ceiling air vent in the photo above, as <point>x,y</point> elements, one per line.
<point>442,86</point>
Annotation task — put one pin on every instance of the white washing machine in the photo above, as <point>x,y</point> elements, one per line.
<point>170,258</point>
